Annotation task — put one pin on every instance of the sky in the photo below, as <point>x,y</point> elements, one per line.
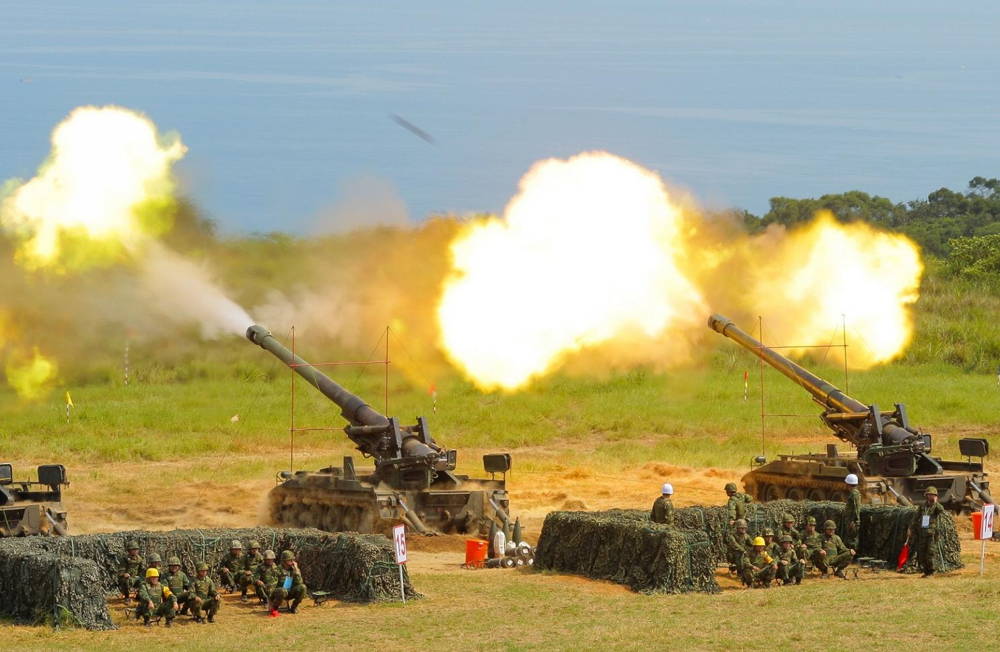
<point>286,107</point>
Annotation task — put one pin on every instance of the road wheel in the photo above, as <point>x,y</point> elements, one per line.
<point>771,492</point>
<point>795,493</point>
<point>816,494</point>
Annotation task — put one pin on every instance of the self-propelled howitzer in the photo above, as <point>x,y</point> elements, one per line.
<point>413,480</point>
<point>893,457</point>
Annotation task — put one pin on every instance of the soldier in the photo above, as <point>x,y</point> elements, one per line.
<point>788,528</point>
<point>737,504</point>
<point>832,552</point>
<point>231,565</point>
<point>758,566</point>
<point>155,599</point>
<point>771,546</point>
<point>924,531</point>
<point>663,507</point>
<point>204,596</point>
<point>268,577</point>
<point>738,544</point>
<point>179,583</point>
<point>153,561</point>
<point>251,561</point>
<point>852,512</point>
<point>292,588</point>
<point>790,567</point>
<point>130,570</point>
<point>811,541</point>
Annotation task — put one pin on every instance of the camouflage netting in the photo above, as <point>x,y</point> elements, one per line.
<point>623,546</point>
<point>646,557</point>
<point>70,577</point>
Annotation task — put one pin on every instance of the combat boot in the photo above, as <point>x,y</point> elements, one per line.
<point>145,621</point>
<point>169,623</point>
<point>211,618</point>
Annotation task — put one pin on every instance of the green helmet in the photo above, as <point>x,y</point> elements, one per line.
<point>811,520</point>
<point>768,532</point>
<point>132,545</point>
<point>931,491</point>
<point>287,555</point>
<point>202,566</point>
<point>786,539</point>
<point>741,522</point>
<point>787,518</point>
<point>731,486</point>
<point>173,561</point>
<point>255,545</point>
<point>236,545</point>
<point>155,559</point>
<point>268,554</point>
<point>829,524</point>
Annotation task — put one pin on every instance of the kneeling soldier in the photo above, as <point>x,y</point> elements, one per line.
<point>246,576</point>
<point>268,577</point>
<point>155,599</point>
<point>204,596</point>
<point>758,567</point>
<point>790,567</point>
<point>130,570</point>
<point>292,588</point>
<point>771,546</point>
<point>833,553</point>
<point>231,565</point>
<point>179,583</point>
<point>737,545</point>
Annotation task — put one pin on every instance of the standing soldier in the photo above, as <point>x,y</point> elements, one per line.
<point>251,561</point>
<point>788,528</point>
<point>812,541</point>
<point>758,566</point>
<point>204,596</point>
<point>155,599</point>
<point>130,570</point>
<point>268,577</point>
<point>663,507</point>
<point>924,531</point>
<point>737,504</point>
<point>790,567</point>
<point>231,565</point>
<point>738,544</point>
<point>832,552</point>
<point>852,512</point>
<point>179,583</point>
<point>292,588</point>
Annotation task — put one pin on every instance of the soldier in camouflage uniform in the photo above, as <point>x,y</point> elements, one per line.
<point>833,553</point>
<point>251,561</point>
<point>204,596</point>
<point>852,512</point>
<point>130,570</point>
<point>153,561</point>
<point>737,503</point>
<point>663,508</point>
<point>758,566</point>
<point>771,546</point>
<point>155,599</point>
<point>738,543</point>
<point>924,531</point>
<point>179,583</point>
<point>790,567</point>
<point>811,542</point>
<point>788,528</point>
<point>269,575</point>
<point>231,565</point>
<point>293,588</point>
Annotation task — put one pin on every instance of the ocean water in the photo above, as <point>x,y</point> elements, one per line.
<point>287,107</point>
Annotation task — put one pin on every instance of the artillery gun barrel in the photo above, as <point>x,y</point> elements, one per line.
<point>354,409</point>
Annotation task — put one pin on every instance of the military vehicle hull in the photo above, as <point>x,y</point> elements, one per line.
<point>821,477</point>
<point>31,507</point>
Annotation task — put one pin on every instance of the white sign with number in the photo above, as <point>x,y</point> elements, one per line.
<point>986,531</point>
<point>399,538</point>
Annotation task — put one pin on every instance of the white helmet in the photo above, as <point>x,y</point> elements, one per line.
<point>851,479</point>
<point>668,489</point>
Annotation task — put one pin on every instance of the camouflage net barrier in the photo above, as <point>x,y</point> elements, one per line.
<point>81,571</point>
<point>624,546</point>
<point>615,546</point>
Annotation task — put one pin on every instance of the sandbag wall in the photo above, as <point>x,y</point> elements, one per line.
<point>645,556</point>
<point>81,571</point>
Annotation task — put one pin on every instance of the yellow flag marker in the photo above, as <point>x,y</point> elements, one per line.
<point>69,400</point>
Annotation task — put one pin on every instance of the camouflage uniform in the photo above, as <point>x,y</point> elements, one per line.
<point>736,506</point>
<point>926,538</point>
<point>231,565</point>
<point>771,546</point>
<point>790,566</point>
<point>269,575</point>
<point>129,571</point>
<point>663,511</point>
<point>251,560</point>
<point>205,596</point>
<point>737,545</point>
<point>837,556</point>
<point>163,602</point>
<point>153,561</point>
<point>811,543</point>
<point>179,583</point>
<point>788,527</point>
<point>294,594</point>
<point>758,568</point>
<point>852,518</point>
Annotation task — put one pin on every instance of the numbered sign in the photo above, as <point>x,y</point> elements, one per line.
<point>986,529</point>
<point>399,539</point>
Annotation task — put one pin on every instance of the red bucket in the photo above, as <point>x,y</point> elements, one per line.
<point>475,552</point>
<point>977,524</point>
